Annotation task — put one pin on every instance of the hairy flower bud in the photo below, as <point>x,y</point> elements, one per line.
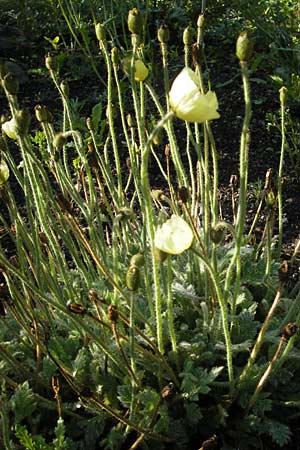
<point>282,94</point>
<point>188,35</point>
<point>244,46</point>
<point>135,21</point>
<point>163,34</point>
<point>4,172</point>
<point>23,120</point>
<point>100,32</point>
<point>43,114</point>
<point>137,260</point>
<point>115,56</point>
<point>10,83</point>
<point>133,278</point>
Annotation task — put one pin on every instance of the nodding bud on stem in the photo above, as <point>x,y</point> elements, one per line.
<point>163,34</point>
<point>10,83</point>
<point>289,330</point>
<point>43,114</point>
<point>188,35</point>
<point>89,124</point>
<point>135,21</point>
<point>59,141</point>
<point>130,120</point>
<point>216,234</point>
<point>115,56</point>
<point>50,62</point>
<point>244,46</point>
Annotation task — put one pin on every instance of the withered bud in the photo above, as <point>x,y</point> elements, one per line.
<point>64,86</point>
<point>10,83</point>
<point>233,180</point>
<point>157,194</point>
<point>197,54</point>
<point>113,314</point>
<point>76,308</point>
<point>289,330</point>
<point>135,21</point>
<point>270,199</point>
<point>133,278</point>
<point>51,62</point>
<point>167,150</point>
<point>188,35</point>
<point>163,34</point>
<point>59,141</point>
<point>137,260</point>
<point>93,295</point>
<point>23,119</point>
<point>100,32</point>
<point>244,46</point>
<point>283,272</point>
<point>183,194</point>
<point>167,390</point>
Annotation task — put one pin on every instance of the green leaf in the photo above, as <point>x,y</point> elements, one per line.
<point>23,402</point>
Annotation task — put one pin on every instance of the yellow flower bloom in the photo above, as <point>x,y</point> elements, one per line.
<point>174,236</point>
<point>141,71</point>
<point>10,128</point>
<point>4,172</point>
<point>188,103</point>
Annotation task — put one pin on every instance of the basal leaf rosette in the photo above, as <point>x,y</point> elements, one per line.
<point>174,236</point>
<point>188,103</point>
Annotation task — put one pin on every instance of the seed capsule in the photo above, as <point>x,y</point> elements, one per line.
<point>135,21</point>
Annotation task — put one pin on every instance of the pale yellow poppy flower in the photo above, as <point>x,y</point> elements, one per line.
<point>10,128</point>
<point>141,71</point>
<point>174,236</point>
<point>188,103</point>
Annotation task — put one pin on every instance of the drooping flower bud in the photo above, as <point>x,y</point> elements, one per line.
<point>10,83</point>
<point>137,260</point>
<point>130,120</point>
<point>115,56</point>
<point>282,95</point>
<point>216,235</point>
<point>163,34</point>
<point>135,21</point>
<point>59,141</point>
<point>244,46</point>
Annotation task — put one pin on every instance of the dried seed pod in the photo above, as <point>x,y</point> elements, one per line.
<point>289,330</point>
<point>283,272</point>
<point>167,390</point>
<point>183,194</point>
<point>113,314</point>
<point>76,308</point>
<point>133,278</point>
